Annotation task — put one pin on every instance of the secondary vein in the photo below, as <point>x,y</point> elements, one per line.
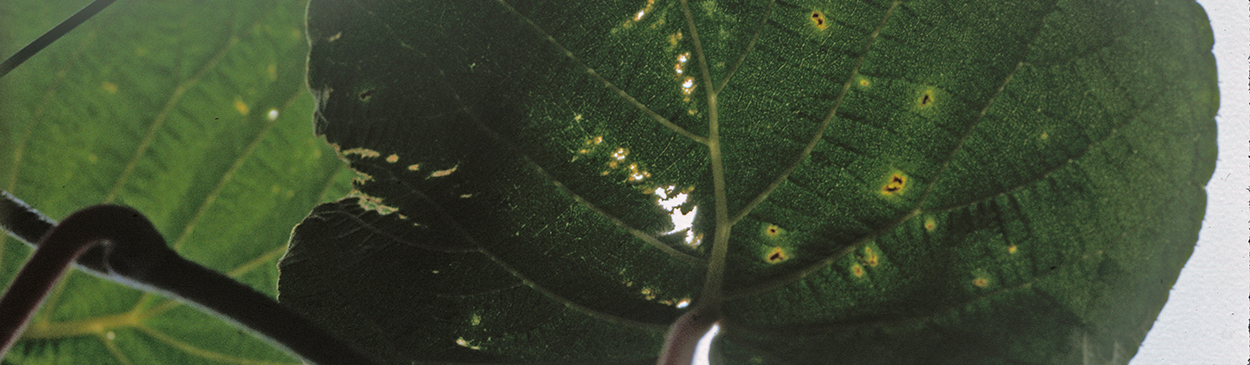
<point>608,84</point>
<point>824,124</point>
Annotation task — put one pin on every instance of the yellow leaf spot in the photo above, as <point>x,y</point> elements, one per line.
<point>926,99</point>
<point>857,270</point>
<point>930,224</point>
<point>442,173</point>
<point>896,185</point>
<point>1045,136</point>
<point>272,72</point>
<point>414,167</point>
<point>392,158</point>
<point>1012,249</point>
<point>981,282</point>
<point>464,343</point>
<point>374,204</point>
<point>649,293</point>
<point>818,19</point>
<point>363,152</point>
<point>870,257</point>
<point>109,87</point>
<point>240,106</point>
<point>864,82</point>
<point>776,255</point>
<point>772,231</point>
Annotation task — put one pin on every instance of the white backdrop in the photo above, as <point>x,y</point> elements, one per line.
<point>1206,317</point>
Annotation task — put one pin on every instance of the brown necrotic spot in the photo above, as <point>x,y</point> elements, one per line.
<point>818,19</point>
<point>981,282</point>
<point>926,99</point>
<point>776,255</point>
<point>895,185</point>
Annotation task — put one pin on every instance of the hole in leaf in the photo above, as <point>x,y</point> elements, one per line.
<point>366,95</point>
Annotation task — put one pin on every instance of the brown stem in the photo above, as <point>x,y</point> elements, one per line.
<point>32,284</point>
<point>683,336</point>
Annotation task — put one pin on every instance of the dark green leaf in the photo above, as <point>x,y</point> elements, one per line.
<point>924,182</point>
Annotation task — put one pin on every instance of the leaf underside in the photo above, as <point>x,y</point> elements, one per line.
<point>870,182</point>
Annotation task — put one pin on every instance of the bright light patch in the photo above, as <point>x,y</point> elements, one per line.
<point>705,345</point>
<point>273,114</point>
<point>683,304</point>
<point>681,221</point>
<point>681,63</point>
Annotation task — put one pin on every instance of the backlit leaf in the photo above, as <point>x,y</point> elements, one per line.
<point>871,182</point>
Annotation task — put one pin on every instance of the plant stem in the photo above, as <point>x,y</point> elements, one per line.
<point>684,335</point>
<point>52,35</point>
<point>132,252</point>
<point>32,285</point>
<point>21,221</point>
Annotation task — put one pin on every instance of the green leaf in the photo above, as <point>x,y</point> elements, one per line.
<point>921,182</point>
<point>194,113</point>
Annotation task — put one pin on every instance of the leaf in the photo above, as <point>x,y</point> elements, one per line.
<point>195,115</point>
<point>871,182</point>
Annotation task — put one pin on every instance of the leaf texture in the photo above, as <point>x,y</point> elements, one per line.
<point>859,182</point>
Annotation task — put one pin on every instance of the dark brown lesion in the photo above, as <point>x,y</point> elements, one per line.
<point>777,255</point>
<point>819,19</point>
<point>896,184</point>
<point>926,99</point>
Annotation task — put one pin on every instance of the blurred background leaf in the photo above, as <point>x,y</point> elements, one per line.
<point>194,112</point>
